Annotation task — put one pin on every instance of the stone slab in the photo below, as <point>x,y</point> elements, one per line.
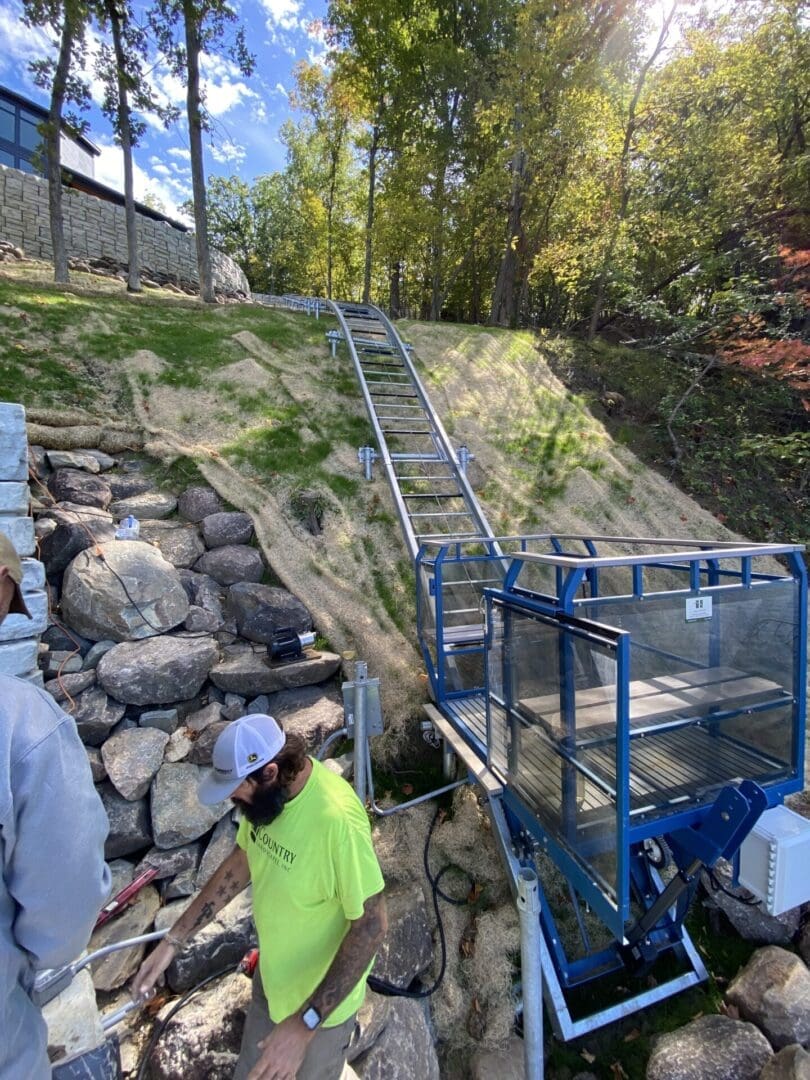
<point>13,442</point>
<point>33,575</point>
<point>15,627</point>
<point>14,498</point>
<point>20,531</point>
<point>18,657</point>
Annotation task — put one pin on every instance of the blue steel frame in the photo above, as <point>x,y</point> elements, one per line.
<point>577,583</point>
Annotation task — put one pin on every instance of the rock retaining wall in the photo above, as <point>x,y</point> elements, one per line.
<point>95,229</point>
<point>19,636</point>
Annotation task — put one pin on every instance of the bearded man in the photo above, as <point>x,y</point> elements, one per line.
<point>304,843</point>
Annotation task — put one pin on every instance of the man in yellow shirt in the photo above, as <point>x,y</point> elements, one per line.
<point>304,843</point>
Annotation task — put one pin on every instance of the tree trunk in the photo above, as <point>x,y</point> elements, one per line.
<point>125,133</point>
<point>53,153</point>
<point>394,281</point>
<point>503,310</point>
<point>372,176</point>
<point>192,29</point>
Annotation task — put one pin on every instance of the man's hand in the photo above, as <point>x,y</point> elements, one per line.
<point>151,969</point>
<point>282,1051</point>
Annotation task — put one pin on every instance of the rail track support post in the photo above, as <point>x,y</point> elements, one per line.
<point>360,733</point>
<point>528,904</point>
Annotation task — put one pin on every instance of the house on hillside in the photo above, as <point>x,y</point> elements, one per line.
<point>21,148</point>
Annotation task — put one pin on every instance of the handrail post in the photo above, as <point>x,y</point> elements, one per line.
<point>528,904</point>
<point>360,677</point>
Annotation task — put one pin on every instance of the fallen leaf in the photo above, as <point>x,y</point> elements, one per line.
<point>474,893</point>
<point>617,1070</point>
<point>732,1012</point>
<point>631,1036</point>
<point>590,1058</point>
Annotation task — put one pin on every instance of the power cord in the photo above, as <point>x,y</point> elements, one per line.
<point>718,886</point>
<point>380,986</point>
<point>161,1026</point>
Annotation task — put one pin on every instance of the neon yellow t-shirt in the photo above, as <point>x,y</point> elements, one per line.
<point>312,869</point>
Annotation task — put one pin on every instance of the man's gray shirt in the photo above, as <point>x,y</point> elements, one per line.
<point>52,832</point>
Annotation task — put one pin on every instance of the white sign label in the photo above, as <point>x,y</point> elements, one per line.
<point>698,607</point>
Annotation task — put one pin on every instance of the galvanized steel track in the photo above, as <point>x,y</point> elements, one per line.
<point>433,497</point>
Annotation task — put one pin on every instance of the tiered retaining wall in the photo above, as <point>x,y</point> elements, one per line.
<point>19,636</point>
<point>95,229</point>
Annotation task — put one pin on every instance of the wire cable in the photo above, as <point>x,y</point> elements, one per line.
<point>161,1026</point>
<point>380,986</point>
<point>718,886</point>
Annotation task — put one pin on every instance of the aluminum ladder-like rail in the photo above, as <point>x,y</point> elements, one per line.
<point>433,497</point>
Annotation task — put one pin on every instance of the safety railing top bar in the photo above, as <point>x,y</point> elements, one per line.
<point>440,436</point>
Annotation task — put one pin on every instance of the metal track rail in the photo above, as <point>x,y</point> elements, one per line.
<point>432,495</point>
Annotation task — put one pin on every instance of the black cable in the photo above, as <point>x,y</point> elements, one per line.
<point>717,885</point>
<point>161,1026</point>
<point>380,986</point>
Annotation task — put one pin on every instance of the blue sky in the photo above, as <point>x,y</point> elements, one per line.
<point>246,113</point>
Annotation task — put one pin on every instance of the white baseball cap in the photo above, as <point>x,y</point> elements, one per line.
<point>244,746</point>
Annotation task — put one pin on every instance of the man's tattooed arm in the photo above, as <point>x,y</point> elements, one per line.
<point>353,957</point>
<point>229,880</point>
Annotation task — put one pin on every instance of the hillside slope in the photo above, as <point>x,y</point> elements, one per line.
<point>250,399</point>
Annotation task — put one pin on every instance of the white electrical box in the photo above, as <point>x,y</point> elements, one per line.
<point>775,860</point>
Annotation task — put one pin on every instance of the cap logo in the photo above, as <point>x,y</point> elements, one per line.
<point>252,758</point>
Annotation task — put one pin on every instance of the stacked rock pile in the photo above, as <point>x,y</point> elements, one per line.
<point>154,645</point>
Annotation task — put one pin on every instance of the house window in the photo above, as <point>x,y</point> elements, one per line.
<point>20,141</point>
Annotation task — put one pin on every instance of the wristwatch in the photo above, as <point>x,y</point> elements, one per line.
<point>311,1017</point>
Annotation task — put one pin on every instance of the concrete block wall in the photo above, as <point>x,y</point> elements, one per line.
<point>96,229</point>
<point>19,636</point>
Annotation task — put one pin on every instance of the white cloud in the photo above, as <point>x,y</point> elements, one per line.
<point>283,13</point>
<point>228,153</point>
<point>319,58</point>
<point>162,170</point>
<point>179,152</point>
<point>281,90</point>
<point>20,42</point>
<point>109,170</point>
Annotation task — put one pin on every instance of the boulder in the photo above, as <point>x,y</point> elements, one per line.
<point>155,505</point>
<point>230,564</point>
<point>751,921</point>
<point>201,719</point>
<point>227,528</point>
<point>407,950</point>
<point>712,1046</point>
<point>261,610</point>
<point>200,621</point>
<point>132,758</point>
<point>73,459</point>
<point>122,871</point>
<point>95,653</point>
<point>404,1049</point>
<point>157,671</point>
<point>164,719</point>
<point>72,485</point>
<point>202,749</point>
<point>234,706</point>
<point>130,593</point>
<point>260,704</point>
<point>58,638</point>
<point>196,503</point>
<point>117,968</point>
<point>178,816</point>
<point>96,715</point>
<point>791,1063</point>
<point>73,1020</point>
<point>308,712</point>
<point>70,685</point>
<point>58,664</point>
<point>219,848</point>
<point>247,672</point>
<point>171,861</point>
<point>61,546</point>
<point>223,942</point>
<point>506,1064</point>
<point>97,770</point>
<point>105,462</point>
<point>129,823</point>
<point>179,746</point>
<point>202,1041</point>
<point>124,487</point>
<point>180,885</point>
<point>179,544</point>
<point>773,991</point>
<point>372,1016</point>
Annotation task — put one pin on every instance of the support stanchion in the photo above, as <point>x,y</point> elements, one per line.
<point>528,904</point>
<point>360,676</point>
